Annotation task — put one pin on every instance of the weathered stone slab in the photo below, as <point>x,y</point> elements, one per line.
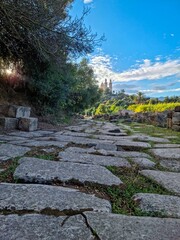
<point>76,134</point>
<point>39,198</point>
<point>9,150</point>
<point>173,165</point>
<point>80,150</point>
<point>121,227</point>
<point>143,163</point>
<point>166,153</point>
<point>28,124</point>
<point>132,145</point>
<point>153,139</point>
<point>79,140</point>
<point>44,171</point>
<point>106,146</point>
<point>169,206</point>
<point>166,145</point>
<point>169,180</point>
<point>19,111</point>
<point>32,143</point>
<point>93,159</point>
<point>4,158</point>
<point>7,138</point>
<point>39,133</point>
<point>43,227</point>
<point>121,154</point>
<point>8,123</point>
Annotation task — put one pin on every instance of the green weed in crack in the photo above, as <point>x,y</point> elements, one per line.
<point>121,199</point>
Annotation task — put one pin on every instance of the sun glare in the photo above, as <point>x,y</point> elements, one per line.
<point>8,71</point>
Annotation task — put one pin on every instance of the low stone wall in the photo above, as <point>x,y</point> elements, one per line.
<point>17,117</point>
<point>166,119</point>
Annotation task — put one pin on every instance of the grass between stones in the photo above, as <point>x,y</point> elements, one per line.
<point>121,199</point>
<point>155,131</point>
<point>9,168</point>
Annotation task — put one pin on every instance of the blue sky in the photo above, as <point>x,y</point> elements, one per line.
<point>142,47</point>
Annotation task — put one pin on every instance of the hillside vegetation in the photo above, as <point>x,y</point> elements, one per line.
<point>159,107</point>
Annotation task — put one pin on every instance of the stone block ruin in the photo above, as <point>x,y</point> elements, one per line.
<point>17,117</point>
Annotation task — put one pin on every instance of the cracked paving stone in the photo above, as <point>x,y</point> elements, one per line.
<point>166,153</point>
<point>38,227</point>
<point>169,180</point>
<point>148,138</point>
<point>8,151</point>
<point>167,205</point>
<point>93,159</point>
<point>44,171</point>
<point>121,227</point>
<point>39,198</point>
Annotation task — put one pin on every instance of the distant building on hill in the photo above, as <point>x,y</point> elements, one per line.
<point>105,85</point>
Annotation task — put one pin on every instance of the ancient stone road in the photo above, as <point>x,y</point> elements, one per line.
<point>44,202</point>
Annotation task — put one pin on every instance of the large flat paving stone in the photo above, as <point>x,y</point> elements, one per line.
<point>153,139</point>
<point>34,134</point>
<point>172,165</point>
<point>93,159</point>
<point>129,145</point>
<point>169,180</point>
<point>43,227</point>
<point>169,206</point>
<point>39,198</point>
<point>32,143</point>
<point>143,163</point>
<point>166,153</point>
<point>169,145</point>
<point>8,151</point>
<point>78,140</point>
<point>121,154</point>
<point>121,227</point>
<point>44,171</point>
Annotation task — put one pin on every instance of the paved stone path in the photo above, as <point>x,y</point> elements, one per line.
<point>48,198</point>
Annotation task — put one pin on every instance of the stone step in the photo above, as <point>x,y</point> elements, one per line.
<point>44,171</point>
<point>8,123</point>
<point>129,145</point>
<point>168,206</point>
<point>8,151</point>
<point>166,153</point>
<point>42,198</point>
<point>169,180</point>
<point>93,159</point>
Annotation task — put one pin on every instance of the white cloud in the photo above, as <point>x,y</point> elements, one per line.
<point>147,70</point>
<point>88,1</point>
<point>160,91</point>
